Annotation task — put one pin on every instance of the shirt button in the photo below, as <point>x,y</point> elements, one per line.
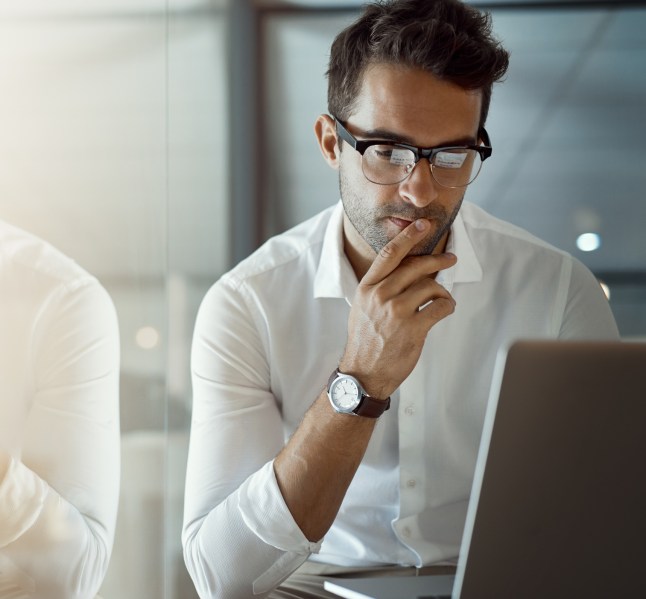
<point>411,483</point>
<point>410,410</point>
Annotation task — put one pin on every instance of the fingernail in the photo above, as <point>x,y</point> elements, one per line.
<point>421,224</point>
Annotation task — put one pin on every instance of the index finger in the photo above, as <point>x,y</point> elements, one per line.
<point>391,255</point>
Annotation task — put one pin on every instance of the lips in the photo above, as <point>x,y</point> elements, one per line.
<point>399,222</point>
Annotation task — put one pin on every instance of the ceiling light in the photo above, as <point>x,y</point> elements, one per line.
<point>147,337</point>
<point>588,242</point>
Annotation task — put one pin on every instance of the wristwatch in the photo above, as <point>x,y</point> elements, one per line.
<point>347,396</point>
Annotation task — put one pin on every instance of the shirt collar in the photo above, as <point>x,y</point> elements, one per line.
<point>334,275</point>
<point>467,268</point>
<point>335,278</point>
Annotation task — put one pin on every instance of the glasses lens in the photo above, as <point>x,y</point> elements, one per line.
<point>385,164</point>
<point>456,168</point>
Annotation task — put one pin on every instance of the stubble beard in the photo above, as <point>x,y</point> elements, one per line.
<point>368,220</point>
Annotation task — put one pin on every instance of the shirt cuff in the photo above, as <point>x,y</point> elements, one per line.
<point>266,514</point>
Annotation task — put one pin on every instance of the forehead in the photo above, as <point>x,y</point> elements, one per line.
<point>415,105</point>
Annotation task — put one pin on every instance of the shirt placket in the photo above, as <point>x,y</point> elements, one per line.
<point>412,468</point>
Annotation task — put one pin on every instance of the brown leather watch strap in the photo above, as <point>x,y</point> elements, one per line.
<point>334,374</point>
<point>369,407</point>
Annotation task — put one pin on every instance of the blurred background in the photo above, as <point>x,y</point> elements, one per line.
<point>158,142</point>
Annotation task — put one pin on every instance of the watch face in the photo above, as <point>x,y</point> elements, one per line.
<point>345,394</point>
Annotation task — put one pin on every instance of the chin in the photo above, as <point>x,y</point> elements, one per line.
<point>429,245</point>
<point>424,249</point>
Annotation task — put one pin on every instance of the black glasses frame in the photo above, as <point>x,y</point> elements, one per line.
<point>361,146</point>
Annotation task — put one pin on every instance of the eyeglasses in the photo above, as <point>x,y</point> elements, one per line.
<point>389,162</point>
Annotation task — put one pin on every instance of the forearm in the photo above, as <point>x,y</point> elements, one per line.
<point>317,465</point>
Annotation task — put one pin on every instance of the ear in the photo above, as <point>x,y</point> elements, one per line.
<point>325,131</point>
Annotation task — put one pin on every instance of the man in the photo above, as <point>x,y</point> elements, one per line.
<point>59,423</point>
<point>403,288</point>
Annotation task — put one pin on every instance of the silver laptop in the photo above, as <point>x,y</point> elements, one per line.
<point>558,503</point>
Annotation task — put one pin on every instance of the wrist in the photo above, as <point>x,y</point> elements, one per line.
<point>375,386</point>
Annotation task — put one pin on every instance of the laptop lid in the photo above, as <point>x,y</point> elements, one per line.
<point>558,504</point>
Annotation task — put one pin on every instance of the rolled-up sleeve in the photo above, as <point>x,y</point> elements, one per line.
<point>239,538</point>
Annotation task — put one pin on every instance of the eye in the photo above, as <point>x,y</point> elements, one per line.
<point>391,155</point>
<point>402,157</point>
<point>383,152</point>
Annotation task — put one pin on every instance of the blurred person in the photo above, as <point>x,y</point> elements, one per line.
<point>341,372</point>
<point>59,423</point>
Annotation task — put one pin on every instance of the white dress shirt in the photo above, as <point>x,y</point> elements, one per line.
<point>267,337</point>
<point>59,423</point>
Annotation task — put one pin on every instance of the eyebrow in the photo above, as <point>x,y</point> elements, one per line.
<point>385,135</point>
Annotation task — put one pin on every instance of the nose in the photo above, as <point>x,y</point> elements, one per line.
<point>420,188</point>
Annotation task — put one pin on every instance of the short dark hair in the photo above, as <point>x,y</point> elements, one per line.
<point>446,38</point>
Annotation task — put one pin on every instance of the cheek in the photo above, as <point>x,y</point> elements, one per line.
<point>383,195</point>
<point>350,167</point>
<point>357,188</point>
<point>453,204</point>
<point>457,197</point>
<point>450,198</point>
<point>352,180</point>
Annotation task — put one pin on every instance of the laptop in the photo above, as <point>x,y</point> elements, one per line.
<point>558,503</point>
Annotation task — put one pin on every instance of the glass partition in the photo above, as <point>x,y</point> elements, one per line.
<point>83,111</point>
<point>198,230</point>
<point>113,124</point>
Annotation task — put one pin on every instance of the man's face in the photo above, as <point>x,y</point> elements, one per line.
<point>414,107</point>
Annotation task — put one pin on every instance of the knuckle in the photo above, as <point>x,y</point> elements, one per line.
<point>380,296</point>
<point>444,306</point>
<point>415,262</point>
<point>397,310</point>
<point>448,260</point>
<point>388,251</point>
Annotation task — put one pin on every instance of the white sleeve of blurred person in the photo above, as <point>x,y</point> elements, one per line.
<point>59,435</point>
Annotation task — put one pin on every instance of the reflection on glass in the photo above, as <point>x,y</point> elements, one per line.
<point>59,422</point>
